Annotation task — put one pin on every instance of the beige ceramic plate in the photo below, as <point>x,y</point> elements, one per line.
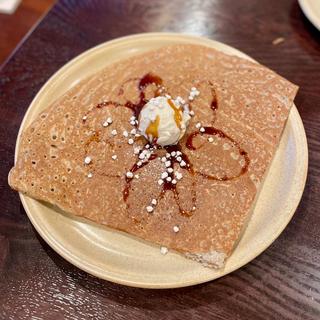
<point>123,259</point>
<point>311,9</point>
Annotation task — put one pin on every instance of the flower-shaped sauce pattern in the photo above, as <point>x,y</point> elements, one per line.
<point>156,83</point>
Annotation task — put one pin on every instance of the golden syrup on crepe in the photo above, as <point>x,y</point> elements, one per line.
<point>152,129</point>
<point>177,113</point>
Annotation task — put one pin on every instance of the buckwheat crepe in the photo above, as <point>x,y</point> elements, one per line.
<point>243,107</point>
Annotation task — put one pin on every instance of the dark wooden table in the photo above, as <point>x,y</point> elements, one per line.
<point>282,283</point>
<point>13,27</point>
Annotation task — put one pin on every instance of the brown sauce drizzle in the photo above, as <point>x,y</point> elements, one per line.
<point>148,79</point>
<point>95,137</point>
<point>214,101</point>
<point>166,186</point>
<point>143,83</point>
<point>173,187</point>
<point>221,134</point>
<point>134,169</point>
<point>107,103</point>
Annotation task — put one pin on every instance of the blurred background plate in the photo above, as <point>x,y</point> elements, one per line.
<point>311,9</point>
<point>120,258</point>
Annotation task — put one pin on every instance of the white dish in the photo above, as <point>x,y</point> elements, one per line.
<point>120,258</point>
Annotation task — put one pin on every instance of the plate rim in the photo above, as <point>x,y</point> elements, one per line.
<point>72,258</point>
<point>306,9</point>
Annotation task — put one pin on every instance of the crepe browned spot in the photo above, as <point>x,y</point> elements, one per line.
<point>242,107</point>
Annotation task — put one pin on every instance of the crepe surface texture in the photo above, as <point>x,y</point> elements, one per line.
<point>242,108</point>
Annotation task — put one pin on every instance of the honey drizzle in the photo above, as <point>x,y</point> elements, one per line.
<point>152,129</point>
<point>177,113</point>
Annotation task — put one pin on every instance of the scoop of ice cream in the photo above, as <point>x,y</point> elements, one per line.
<point>163,121</point>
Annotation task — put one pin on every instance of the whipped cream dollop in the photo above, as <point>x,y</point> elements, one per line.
<point>163,121</point>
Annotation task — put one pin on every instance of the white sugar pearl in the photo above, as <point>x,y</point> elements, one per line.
<point>178,175</point>
<point>183,163</point>
<point>149,209</point>
<point>87,160</point>
<point>164,175</point>
<point>167,164</point>
<point>129,174</point>
<point>164,250</point>
<point>176,229</point>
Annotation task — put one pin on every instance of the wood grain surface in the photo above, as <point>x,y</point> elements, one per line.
<point>282,283</point>
<point>13,27</point>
